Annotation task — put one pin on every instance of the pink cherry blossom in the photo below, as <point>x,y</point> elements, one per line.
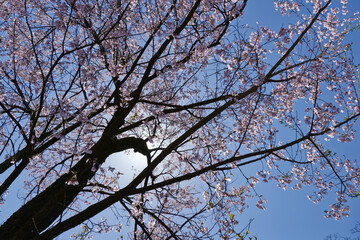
<point>190,85</point>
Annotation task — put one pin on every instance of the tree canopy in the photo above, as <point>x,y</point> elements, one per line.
<point>188,84</point>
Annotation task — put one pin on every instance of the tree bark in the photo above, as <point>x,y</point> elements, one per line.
<point>40,212</point>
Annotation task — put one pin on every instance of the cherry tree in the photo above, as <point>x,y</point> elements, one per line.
<point>189,85</point>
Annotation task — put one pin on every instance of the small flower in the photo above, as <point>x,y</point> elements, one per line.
<point>72,181</point>
<point>357,109</point>
<point>88,151</point>
<point>307,120</point>
<point>94,167</point>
